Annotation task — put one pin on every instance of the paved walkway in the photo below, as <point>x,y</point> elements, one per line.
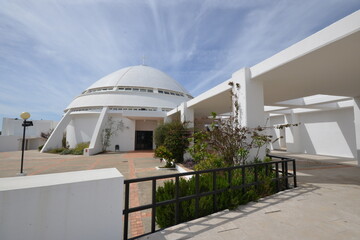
<point>326,205</point>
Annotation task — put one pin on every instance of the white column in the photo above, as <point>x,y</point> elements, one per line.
<point>357,126</point>
<point>95,143</point>
<point>250,100</point>
<point>55,139</point>
<point>187,115</point>
<point>293,140</point>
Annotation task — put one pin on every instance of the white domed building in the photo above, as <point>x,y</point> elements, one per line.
<point>137,96</point>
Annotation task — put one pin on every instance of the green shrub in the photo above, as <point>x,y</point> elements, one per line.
<point>78,150</point>
<point>81,146</point>
<point>160,134</point>
<point>211,162</point>
<point>173,136</point>
<point>56,150</point>
<point>40,147</point>
<point>162,152</point>
<point>66,151</point>
<point>229,199</point>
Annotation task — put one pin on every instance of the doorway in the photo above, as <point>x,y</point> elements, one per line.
<point>143,140</point>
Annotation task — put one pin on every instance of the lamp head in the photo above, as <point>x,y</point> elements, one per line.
<point>25,115</point>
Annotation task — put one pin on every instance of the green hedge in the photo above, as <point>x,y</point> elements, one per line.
<point>78,150</point>
<point>230,199</point>
<point>174,137</point>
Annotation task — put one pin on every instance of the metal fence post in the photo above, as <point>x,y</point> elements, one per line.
<point>153,210</point>
<point>126,213</point>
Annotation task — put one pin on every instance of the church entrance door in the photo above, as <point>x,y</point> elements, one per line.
<point>143,140</point>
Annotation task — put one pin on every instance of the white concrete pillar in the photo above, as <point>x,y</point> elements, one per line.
<point>187,115</point>
<point>95,143</point>
<point>292,134</point>
<point>55,139</point>
<point>357,126</point>
<point>251,101</point>
<point>71,134</point>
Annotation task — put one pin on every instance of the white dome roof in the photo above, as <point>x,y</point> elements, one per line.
<point>139,76</point>
<point>136,87</point>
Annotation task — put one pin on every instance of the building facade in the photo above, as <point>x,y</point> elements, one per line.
<point>12,133</point>
<point>135,98</point>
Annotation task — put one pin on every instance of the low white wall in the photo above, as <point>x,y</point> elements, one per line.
<point>329,133</point>
<point>326,133</point>
<point>9,143</point>
<point>74,205</point>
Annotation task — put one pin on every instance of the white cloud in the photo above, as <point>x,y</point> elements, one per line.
<point>50,51</point>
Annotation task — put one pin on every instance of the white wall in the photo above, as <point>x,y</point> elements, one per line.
<point>125,138</point>
<point>14,127</point>
<point>146,125</point>
<point>80,128</point>
<point>328,133</point>
<point>9,143</point>
<point>33,144</point>
<point>74,205</point>
<point>275,133</point>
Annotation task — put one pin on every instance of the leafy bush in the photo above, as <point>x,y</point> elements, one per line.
<point>173,136</point>
<point>211,162</point>
<point>56,150</point>
<point>81,146</point>
<point>162,152</point>
<point>40,147</point>
<point>229,199</point>
<point>189,163</point>
<point>166,155</point>
<point>160,134</point>
<point>78,150</point>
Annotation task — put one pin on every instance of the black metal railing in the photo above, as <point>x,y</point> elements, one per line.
<point>279,167</point>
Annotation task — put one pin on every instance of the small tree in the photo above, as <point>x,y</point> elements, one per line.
<point>226,139</point>
<point>111,128</point>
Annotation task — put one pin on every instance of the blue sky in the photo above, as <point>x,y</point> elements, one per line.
<point>50,51</point>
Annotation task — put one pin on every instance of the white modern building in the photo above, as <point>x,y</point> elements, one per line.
<point>12,134</point>
<point>137,96</point>
<point>315,82</point>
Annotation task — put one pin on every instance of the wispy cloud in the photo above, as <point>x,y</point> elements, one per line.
<point>50,51</point>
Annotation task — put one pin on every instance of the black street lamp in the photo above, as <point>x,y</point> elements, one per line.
<point>25,116</point>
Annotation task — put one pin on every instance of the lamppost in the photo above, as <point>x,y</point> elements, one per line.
<point>25,116</point>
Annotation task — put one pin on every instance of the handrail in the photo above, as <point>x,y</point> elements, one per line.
<point>285,175</point>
